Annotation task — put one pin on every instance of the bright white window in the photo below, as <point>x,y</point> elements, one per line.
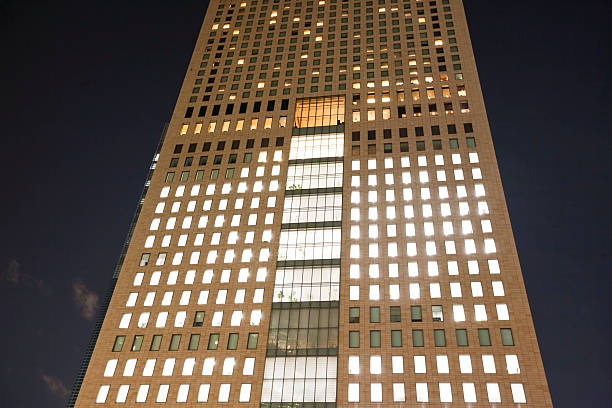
<point>414,291</point>
<point>465,364</point>
<point>168,367</point>
<point>376,392</point>
<point>518,393</point>
<point>502,311</point>
<point>512,364</point>
<point>488,364</point>
<point>228,366</point>
<point>245,393</point>
<point>209,364</point>
<point>480,313</point>
<point>203,392</point>
<point>109,371</point>
<point>224,391</point>
<point>353,392</point>
<point>476,289</point>
<point>442,364</point>
<point>421,392</point>
<point>399,394</point>
<point>419,365</point>
<point>493,392</point>
<point>102,394</point>
<point>455,288</point>
<point>130,365</point>
<point>397,364</point>
<point>469,392</point>
<point>446,395</point>
<point>143,391</point>
<point>183,393</point>
<point>434,290</point>
<point>375,364</point>
<point>458,313</point>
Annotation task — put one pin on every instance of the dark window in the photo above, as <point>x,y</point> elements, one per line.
<point>452,129</point>
<point>506,336</point>
<point>257,106</point>
<point>175,342</point>
<point>401,111</point>
<point>243,107</point>
<point>285,104</point>
<point>356,136</point>
<point>118,345</point>
<point>374,314</point>
<point>174,162</point>
<point>189,112</point>
<point>470,142</point>
<point>416,314</point>
<point>265,142</point>
<point>462,338</point>
<point>137,343</point>
<point>198,319</point>
<point>188,161</point>
<point>280,141</point>
<point>388,148</point>
<point>396,338</point>
<point>403,132</point>
<point>417,338</point>
<point>418,131</point>
<point>371,149</point>
<point>371,135</point>
<point>156,342</point>
<point>420,146</point>
<point>374,338</point>
<point>218,158</point>
<point>250,143</point>
<point>468,128</point>
<point>270,107</point>
<point>252,340</point>
<point>235,144</point>
<point>483,337</point>
<point>232,341</point>
<point>435,130</point>
<point>192,147</point>
<point>213,341</point>
<point>439,338</point>
<point>206,147</point>
<point>353,315</point>
<point>216,109</point>
<point>353,339</point>
<point>194,342</point>
<point>220,145</point>
<point>403,147</point>
<point>202,111</point>
<point>203,160</point>
<point>395,314</point>
<point>232,158</point>
<point>437,144</point>
<point>386,133</point>
<point>178,148</point>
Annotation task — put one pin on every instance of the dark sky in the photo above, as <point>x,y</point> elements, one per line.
<point>85,89</point>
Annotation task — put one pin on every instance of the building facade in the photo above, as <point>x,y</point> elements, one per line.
<point>323,224</point>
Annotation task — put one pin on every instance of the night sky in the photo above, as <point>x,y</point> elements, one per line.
<point>85,90</point>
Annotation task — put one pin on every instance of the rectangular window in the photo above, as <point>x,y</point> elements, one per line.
<point>232,341</point>
<point>417,338</point>
<point>353,339</point>
<point>118,345</point>
<point>252,340</point>
<point>395,315</point>
<point>462,338</point>
<point>137,344</point>
<point>396,338</point>
<point>375,314</point>
<point>416,314</point>
<point>506,336</point>
<point>156,342</point>
<point>353,315</point>
<point>198,319</point>
<point>483,337</point>
<point>175,342</point>
<point>374,338</point>
<point>213,341</point>
<point>439,338</point>
<point>194,342</point>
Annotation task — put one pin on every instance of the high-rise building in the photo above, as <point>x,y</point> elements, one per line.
<point>323,224</point>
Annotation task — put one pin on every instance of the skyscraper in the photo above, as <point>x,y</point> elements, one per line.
<point>323,224</point>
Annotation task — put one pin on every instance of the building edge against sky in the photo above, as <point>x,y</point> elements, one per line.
<point>323,224</point>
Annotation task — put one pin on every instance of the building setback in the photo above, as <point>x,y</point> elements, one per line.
<point>323,225</point>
